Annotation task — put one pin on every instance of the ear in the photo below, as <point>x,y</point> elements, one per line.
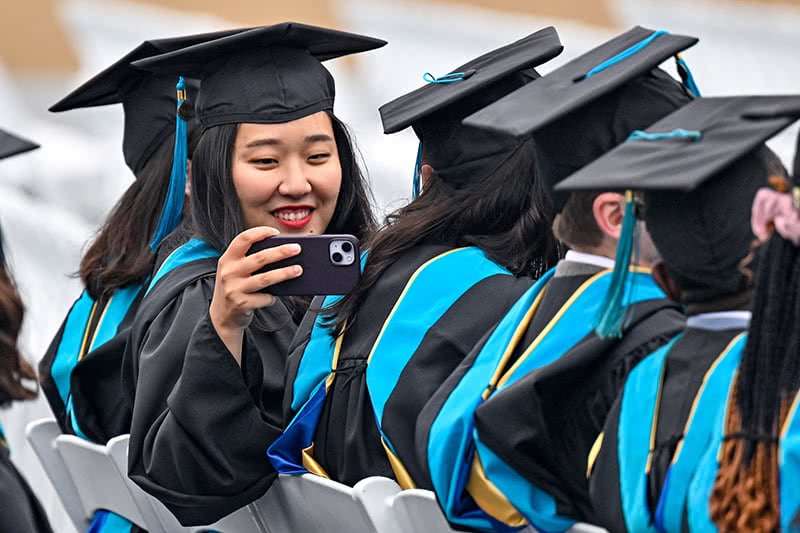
<point>608,209</point>
<point>665,281</point>
<point>187,191</point>
<point>426,171</point>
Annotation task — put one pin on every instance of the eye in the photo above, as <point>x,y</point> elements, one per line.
<point>264,162</point>
<point>319,158</point>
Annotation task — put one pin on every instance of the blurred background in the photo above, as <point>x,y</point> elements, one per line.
<point>53,200</point>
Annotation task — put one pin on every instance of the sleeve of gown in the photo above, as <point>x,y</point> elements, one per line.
<point>198,436</point>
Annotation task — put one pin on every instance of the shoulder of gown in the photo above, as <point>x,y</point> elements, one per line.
<point>200,429</point>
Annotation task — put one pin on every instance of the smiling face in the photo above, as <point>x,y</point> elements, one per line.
<point>288,175</point>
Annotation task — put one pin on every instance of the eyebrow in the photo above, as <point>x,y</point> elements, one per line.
<point>319,137</point>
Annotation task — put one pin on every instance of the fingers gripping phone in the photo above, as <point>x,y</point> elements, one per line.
<point>331,264</point>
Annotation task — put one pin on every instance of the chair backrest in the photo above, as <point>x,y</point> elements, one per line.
<point>375,495</point>
<point>117,450</point>
<point>311,504</point>
<point>417,510</point>
<point>97,479</point>
<point>41,435</point>
<point>159,518</point>
<point>582,527</point>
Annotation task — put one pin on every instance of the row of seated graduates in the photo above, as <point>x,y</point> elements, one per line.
<point>204,387</point>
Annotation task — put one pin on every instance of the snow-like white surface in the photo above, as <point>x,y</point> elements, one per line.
<point>52,200</point>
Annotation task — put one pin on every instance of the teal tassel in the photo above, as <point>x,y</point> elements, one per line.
<point>172,211</point>
<point>611,318</point>
<point>416,184</point>
<point>686,76</point>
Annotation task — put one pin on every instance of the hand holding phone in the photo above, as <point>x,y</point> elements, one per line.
<point>331,264</point>
<point>237,293</point>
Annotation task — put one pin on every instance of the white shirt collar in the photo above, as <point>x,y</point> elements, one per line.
<point>720,320</point>
<point>591,259</point>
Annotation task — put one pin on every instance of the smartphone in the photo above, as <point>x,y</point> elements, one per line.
<point>331,264</point>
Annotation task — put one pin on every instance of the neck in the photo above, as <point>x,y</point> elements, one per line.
<point>699,301</point>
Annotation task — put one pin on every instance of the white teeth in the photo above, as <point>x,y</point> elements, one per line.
<point>292,215</point>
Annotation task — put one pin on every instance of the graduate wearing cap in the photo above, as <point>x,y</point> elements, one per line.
<point>21,509</point>
<point>748,476</point>
<point>506,436</point>
<point>204,364</point>
<point>80,370</point>
<point>699,169</point>
<point>438,276</point>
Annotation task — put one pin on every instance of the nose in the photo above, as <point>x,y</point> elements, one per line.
<point>294,183</point>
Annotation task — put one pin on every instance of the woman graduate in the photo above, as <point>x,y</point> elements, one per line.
<point>21,511</point>
<point>80,370</point>
<point>700,169</point>
<point>749,478</point>
<point>439,275</point>
<point>204,365</point>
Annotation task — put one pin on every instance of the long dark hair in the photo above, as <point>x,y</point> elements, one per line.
<point>507,215</point>
<point>746,494</point>
<point>217,214</point>
<point>13,367</point>
<point>120,254</point>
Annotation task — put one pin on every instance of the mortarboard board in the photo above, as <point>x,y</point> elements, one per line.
<point>11,144</point>
<point>270,74</point>
<point>589,105</point>
<point>699,168</point>
<point>457,153</point>
<point>148,100</point>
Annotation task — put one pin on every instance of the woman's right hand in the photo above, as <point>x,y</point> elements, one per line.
<point>237,291</point>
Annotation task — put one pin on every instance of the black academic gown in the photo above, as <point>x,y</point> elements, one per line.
<point>98,406</point>
<point>201,424</point>
<point>347,442</point>
<point>20,510</point>
<point>544,425</point>
<point>685,368</point>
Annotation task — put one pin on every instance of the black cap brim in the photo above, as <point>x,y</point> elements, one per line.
<point>11,145</point>
<point>322,43</point>
<point>566,89</point>
<point>729,128</point>
<point>531,51</point>
<point>105,87</point>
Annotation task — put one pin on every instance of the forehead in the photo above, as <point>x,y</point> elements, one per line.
<point>310,126</point>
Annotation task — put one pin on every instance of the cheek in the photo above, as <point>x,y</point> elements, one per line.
<point>250,184</point>
<point>329,181</point>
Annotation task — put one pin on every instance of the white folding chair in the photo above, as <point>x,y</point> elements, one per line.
<point>158,517</point>
<point>418,510</point>
<point>583,527</point>
<point>97,480</point>
<point>41,434</point>
<point>375,495</point>
<point>312,504</point>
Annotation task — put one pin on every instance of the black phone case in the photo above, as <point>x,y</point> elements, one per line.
<point>320,275</point>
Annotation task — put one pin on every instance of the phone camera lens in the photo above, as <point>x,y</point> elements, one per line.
<point>337,257</point>
<point>347,247</point>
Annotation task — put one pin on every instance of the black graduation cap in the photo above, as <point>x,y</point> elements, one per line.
<point>148,100</point>
<point>11,144</point>
<point>589,105</point>
<point>270,74</point>
<point>700,168</point>
<point>582,80</point>
<point>461,154</point>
